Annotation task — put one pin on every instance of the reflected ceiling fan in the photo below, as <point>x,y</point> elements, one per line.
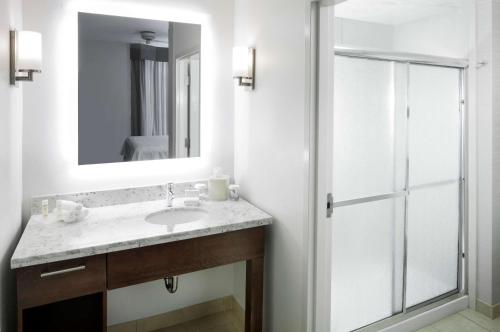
<point>150,36</point>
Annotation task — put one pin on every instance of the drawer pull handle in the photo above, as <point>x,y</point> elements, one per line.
<point>55,273</point>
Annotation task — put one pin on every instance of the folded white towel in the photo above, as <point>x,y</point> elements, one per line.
<point>68,211</point>
<point>71,216</point>
<point>68,205</point>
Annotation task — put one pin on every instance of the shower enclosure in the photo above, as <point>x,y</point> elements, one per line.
<point>394,243</point>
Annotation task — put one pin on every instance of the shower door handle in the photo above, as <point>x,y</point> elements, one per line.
<point>329,205</point>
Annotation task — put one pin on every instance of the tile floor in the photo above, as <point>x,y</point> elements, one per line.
<point>220,322</point>
<point>465,321</point>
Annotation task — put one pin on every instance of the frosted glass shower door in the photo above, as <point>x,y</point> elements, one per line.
<point>397,188</point>
<point>369,128</point>
<point>434,200</point>
<point>369,143</point>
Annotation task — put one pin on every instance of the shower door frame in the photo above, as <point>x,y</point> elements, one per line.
<point>408,60</point>
<point>326,57</point>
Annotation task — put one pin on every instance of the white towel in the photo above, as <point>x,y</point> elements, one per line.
<point>68,205</point>
<point>68,211</point>
<point>71,216</point>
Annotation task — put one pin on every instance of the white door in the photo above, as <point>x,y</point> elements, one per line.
<point>187,115</point>
<point>194,106</point>
<point>182,108</point>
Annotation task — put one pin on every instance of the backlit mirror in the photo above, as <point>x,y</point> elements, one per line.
<point>138,89</point>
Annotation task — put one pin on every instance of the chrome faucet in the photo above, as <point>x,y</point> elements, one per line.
<point>170,194</point>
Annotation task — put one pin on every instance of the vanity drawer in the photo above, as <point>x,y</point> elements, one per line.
<point>52,282</point>
<point>139,265</point>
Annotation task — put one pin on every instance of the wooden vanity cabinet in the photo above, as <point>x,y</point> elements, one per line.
<point>71,295</point>
<point>63,296</point>
<point>144,264</point>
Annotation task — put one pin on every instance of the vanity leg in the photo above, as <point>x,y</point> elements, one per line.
<point>254,295</point>
<point>104,311</point>
<point>19,319</point>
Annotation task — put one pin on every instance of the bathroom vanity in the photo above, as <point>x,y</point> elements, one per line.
<point>64,270</point>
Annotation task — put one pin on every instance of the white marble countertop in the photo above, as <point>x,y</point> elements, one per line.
<point>120,227</point>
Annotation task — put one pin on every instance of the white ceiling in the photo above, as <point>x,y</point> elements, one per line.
<point>120,29</point>
<point>395,12</point>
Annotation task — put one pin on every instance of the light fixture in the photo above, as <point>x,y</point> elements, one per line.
<point>244,66</point>
<point>25,55</point>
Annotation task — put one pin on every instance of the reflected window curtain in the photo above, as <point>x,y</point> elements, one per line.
<point>149,93</point>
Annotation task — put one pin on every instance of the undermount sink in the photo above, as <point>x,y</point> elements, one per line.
<point>176,216</point>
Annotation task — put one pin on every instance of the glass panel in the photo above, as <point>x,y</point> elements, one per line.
<point>434,99</point>
<point>369,127</point>
<point>367,253</point>
<point>433,233</point>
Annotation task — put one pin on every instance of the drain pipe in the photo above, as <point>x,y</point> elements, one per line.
<point>171,284</point>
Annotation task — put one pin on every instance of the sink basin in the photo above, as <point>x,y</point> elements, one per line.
<point>176,216</point>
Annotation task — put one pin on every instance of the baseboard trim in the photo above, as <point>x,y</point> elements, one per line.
<point>490,311</point>
<point>180,316</point>
<point>239,312</point>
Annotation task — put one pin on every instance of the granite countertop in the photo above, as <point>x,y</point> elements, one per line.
<point>123,226</point>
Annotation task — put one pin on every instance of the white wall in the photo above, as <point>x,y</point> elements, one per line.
<point>442,35</point>
<point>359,34</point>
<point>270,134</point>
<point>484,92</point>
<point>151,298</point>
<point>104,119</point>
<point>11,115</point>
<point>488,128</point>
<point>50,163</point>
<point>496,152</point>
<point>185,39</point>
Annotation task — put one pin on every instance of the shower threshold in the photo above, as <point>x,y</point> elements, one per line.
<point>421,314</point>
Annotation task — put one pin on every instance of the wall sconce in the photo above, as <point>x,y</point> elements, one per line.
<point>25,55</point>
<point>244,66</point>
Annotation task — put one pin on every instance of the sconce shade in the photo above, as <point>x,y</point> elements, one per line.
<point>29,51</point>
<point>241,62</point>
<point>244,65</point>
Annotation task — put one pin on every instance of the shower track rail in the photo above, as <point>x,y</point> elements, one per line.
<point>412,58</point>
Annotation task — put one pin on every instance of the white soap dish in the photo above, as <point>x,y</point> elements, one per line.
<point>192,201</point>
